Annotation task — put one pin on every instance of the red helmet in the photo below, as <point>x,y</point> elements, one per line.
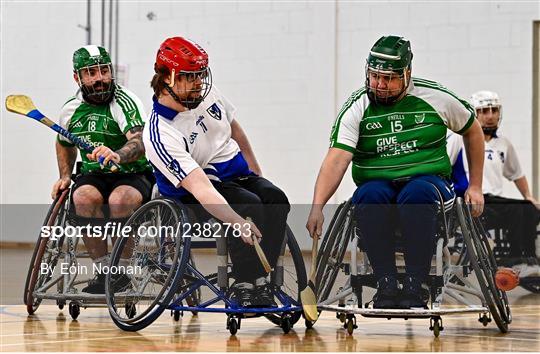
<point>180,54</point>
<point>184,57</point>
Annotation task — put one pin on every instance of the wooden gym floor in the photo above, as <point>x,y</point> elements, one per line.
<point>53,330</point>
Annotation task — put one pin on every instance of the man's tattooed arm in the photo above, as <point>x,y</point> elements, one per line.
<point>133,149</point>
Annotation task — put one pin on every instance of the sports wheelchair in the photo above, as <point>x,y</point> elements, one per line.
<point>62,257</point>
<point>167,277</point>
<point>479,294</point>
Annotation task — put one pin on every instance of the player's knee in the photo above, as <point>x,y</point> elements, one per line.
<point>373,192</point>
<point>125,196</point>
<point>418,192</point>
<point>274,195</point>
<point>87,195</point>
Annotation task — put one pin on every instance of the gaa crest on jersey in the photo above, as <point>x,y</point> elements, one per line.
<point>373,125</point>
<point>419,118</point>
<point>174,167</point>
<point>214,111</point>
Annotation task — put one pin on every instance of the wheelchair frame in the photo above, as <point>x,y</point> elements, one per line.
<point>449,280</point>
<point>183,279</point>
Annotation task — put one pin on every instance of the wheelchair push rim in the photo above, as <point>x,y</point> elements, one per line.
<point>332,250</point>
<point>162,265</point>
<point>47,248</point>
<point>484,266</point>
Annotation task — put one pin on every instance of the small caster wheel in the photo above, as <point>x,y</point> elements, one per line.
<point>177,315</point>
<point>60,304</point>
<point>131,310</point>
<point>74,310</point>
<point>436,326</point>
<point>342,317</point>
<point>309,324</point>
<point>484,320</point>
<point>286,324</point>
<point>232,325</point>
<point>350,326</point>
<point>436,329</point>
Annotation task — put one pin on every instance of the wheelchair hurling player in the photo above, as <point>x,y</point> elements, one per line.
<point>394,132</point>
<point>212,194</point>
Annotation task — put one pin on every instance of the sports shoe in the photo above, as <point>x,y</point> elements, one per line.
<point>264,294</point>
<point>412,295</point>
<point>96,285</point>
<point>387,293</point>
<point>529,268</point>
<point>243,293</point>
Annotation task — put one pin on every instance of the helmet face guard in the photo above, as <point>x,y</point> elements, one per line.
<point>200,82</point>
<point>385,96</point>
<point>95,75</point>
<point>389,59</point>
<point>100,89</point>
<point>487,102</point>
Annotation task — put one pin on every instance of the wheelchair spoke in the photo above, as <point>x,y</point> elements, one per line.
<point>157,254</point>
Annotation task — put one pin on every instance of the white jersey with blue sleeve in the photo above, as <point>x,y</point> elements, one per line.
<point>177,143</point>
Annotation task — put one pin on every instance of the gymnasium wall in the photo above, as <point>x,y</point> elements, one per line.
<point>287,66</point>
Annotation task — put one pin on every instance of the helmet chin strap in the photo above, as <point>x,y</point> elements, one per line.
<point>173,95</point>
<point>188,104</point>
<point>491,131</point>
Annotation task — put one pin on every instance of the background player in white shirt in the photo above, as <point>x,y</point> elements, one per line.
<point>520,217</point>
<point>455,150</point>
<point>201,156</point>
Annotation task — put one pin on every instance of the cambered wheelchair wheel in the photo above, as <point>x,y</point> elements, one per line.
<point>293,278</point>
<point>332,250</point>
<point>47,251</point>
<point>156,254</point>
<point>483,263</point>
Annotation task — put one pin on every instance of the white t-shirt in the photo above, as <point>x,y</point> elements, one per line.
<point>176,143</point>
<point>500,160</point>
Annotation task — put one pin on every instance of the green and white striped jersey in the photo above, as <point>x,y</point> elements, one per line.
<point>405,139</point>
<point>104,125</point>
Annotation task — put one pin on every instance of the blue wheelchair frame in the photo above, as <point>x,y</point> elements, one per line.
<point>188,281</point>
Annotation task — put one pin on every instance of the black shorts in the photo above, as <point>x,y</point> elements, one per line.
<point>105,183</point>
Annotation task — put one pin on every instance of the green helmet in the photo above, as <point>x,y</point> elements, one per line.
<point>389,55</point>
<point>100,88</point>
<point>90,55</point>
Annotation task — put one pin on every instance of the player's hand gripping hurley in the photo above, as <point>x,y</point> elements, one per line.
<point>260,252</point>
<point>23,105</point>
